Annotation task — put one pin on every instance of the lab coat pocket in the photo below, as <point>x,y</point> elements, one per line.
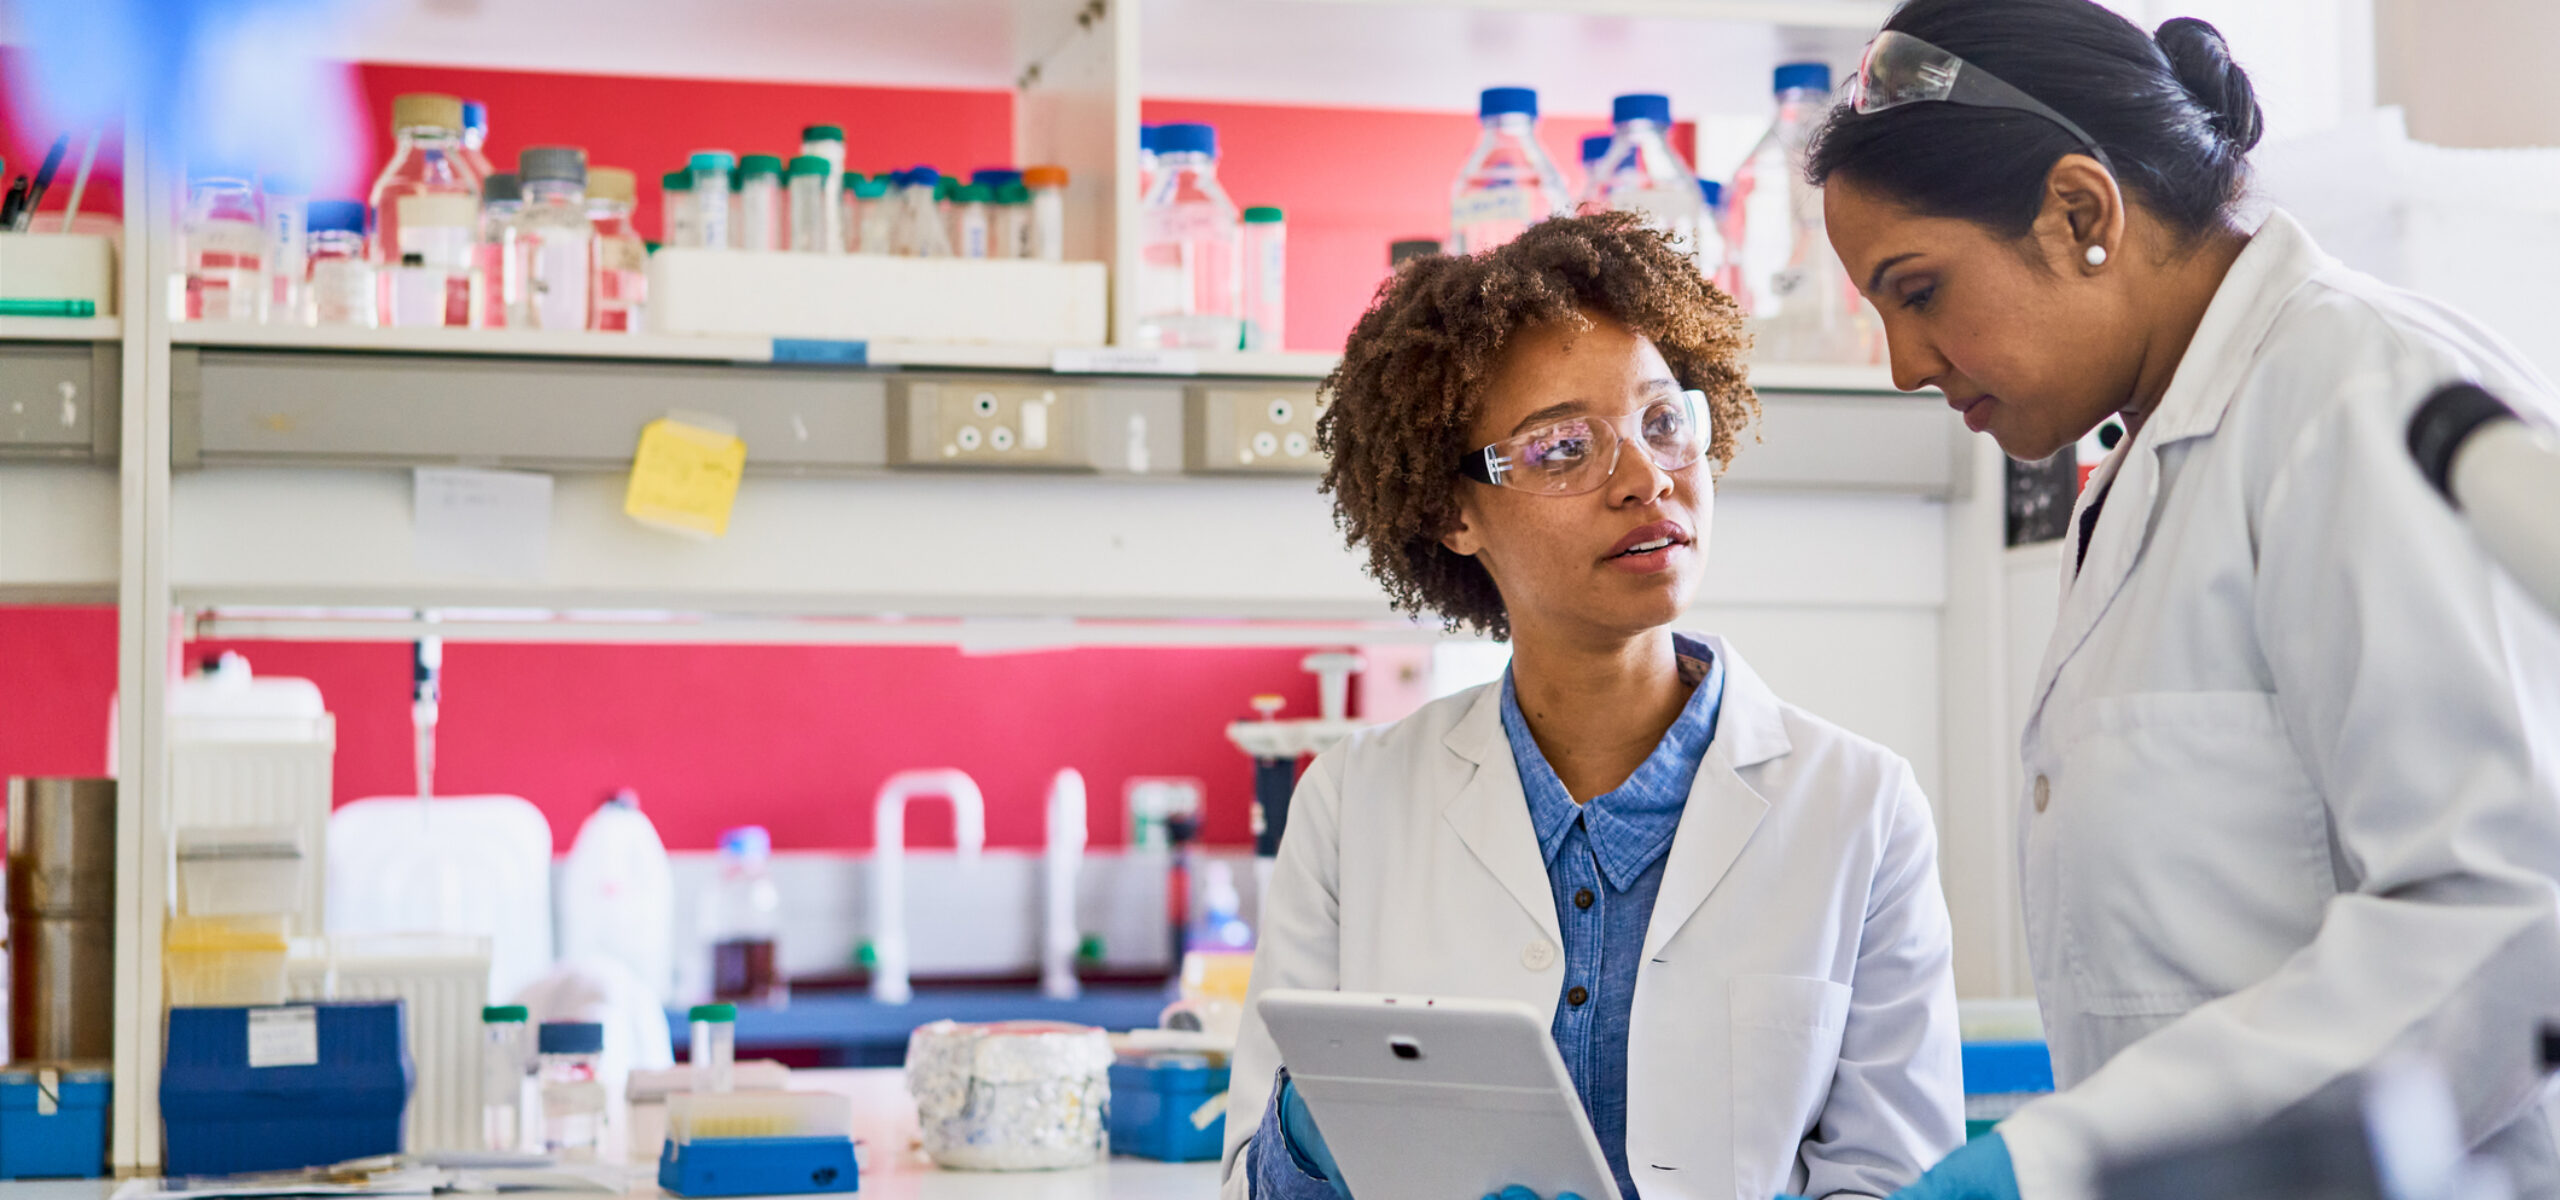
<point>1786,1041</point>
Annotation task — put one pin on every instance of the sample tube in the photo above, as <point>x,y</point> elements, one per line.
<point>711,197</point>
<point>760,214</point>
<point>715,1047</point>
<point>810,228</point>
<point>1048,212</point>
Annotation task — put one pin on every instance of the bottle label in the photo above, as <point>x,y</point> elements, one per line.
<point>556,282</point>
<point>1488,205</point>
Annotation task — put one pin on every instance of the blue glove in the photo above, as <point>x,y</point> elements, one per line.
<point>1517,1192</point>
<point>1306,1143</point>
<point>1979,1170</point>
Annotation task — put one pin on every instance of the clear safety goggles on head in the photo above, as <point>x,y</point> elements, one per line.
<point>1573,455</point>
<point>1900,69</point>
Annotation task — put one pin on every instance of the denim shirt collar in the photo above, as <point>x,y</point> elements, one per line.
<point>1632,826</point>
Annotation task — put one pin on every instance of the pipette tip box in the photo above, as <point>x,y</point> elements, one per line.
<point>792,1166</point>
<point>279,1088</point>
<point>1171,1108</point>
<point>53,1124</point>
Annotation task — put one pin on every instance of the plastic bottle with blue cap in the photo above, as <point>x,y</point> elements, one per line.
<point>1642,174</point>
<point>1191,248</point>
<point>1508,183</point>
<point>916,228</point>
<point>1787,278</point>
<point>342,291</point>
<point>1594,149</point>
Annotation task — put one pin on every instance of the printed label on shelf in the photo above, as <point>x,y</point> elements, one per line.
<point>284,1037</point>
<point>1119,361</point>
<point>685,477</point>
<point>490,524</point>
<point>822,350</point>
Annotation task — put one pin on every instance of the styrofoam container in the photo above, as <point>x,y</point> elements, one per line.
<point>242,871</point>
<point>865,297</point>
<point>58,266</point>
<point>442,982</point>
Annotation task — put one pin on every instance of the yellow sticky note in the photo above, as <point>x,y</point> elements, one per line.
<point>685,477</point>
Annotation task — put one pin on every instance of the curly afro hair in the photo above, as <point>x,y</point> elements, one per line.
<point>1400,404</point>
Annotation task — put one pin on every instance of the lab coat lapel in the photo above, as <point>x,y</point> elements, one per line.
<point>1490,812</point>
<point>1723,810</point>
<point>2280,257</point>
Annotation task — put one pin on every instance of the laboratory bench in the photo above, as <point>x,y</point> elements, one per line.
<point>850,1029</point>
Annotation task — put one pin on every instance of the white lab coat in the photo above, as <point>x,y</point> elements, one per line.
<point>1794,1021</point>
<point>2293,761</point>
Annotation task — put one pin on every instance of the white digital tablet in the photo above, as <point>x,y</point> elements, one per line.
<point>1424,1098</point>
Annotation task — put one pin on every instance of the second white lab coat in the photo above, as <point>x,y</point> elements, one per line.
<point>1794,1021</point>
<point>2293,765</point>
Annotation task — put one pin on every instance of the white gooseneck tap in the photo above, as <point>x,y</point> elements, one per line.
<point>1063,853</point>
<point>889,984</point>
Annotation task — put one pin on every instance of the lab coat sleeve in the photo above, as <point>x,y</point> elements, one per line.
<point>1897,1096</point>
<point>2422,697</point>
<point>1299,947</point>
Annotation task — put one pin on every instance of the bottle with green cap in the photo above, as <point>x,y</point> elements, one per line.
<point>1266,272</point>
<point>714,1049</point>
<point>679,222</point>
<point>972,220</point>
<point>506,1077</point>
<point>760,209</point>
<point>1012,221</point>
<point>867,214</point>
<point>711,197</point>
<point>811,205</point>
<point>827,142</point>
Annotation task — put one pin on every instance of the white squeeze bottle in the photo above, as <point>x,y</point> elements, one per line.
<point>1509,183</point>
<point>1642,174</point>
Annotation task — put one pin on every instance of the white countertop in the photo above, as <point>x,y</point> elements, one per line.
<point>884,1120</point>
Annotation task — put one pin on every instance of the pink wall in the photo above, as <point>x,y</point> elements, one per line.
<point>23,143</point>
<point>793,738</point>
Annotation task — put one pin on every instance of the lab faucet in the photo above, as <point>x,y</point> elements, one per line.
<point>1063,853</point>
<point>889,983</point>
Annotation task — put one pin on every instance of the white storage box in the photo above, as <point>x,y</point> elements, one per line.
<point>441,982</point>
<point>865,297</point>
<point>59,266</point>
<point>247,751</point>
<point>242,871</point>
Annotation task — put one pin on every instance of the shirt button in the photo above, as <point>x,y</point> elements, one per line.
<point>2044,792</point>
<point>1578,996</point>
<point>1539,956</point>
<point>1582,899</point>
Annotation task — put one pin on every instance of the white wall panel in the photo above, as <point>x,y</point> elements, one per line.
<point>57,531</point>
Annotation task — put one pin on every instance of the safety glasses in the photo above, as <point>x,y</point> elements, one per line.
<point>1573,455</point>
<point>1900,69</point>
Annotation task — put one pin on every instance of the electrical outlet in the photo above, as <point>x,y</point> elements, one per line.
<point>988,424</point>
<point>1265,430</point>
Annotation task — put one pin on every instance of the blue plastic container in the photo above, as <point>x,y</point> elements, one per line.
<point>1168,1108</point>
<point>1999,1079</point>
<point>53,1125</point>
<point>758,1167</point>
<point>275,1089</point>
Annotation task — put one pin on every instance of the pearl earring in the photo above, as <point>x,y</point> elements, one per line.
<point>2097,256</point>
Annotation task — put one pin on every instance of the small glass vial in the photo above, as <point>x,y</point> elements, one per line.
<point>224,248</point>
<point>573,1098</point>
<point>679,223</point>
<point>827,142</point>
<point>1266,273</point>
<point>714,1048</point>
<point>501,281</point>
<point>1048,212</point>
<point>872,213</point>
<point>622,259</point>
<point>811,230</point>
<point>760,215</point>
<point>711,198</point>
<point>287,205</point>
<point>506,1076</point>
<point>341,288</point>
<point>918,230</point>
<point>972,221</point>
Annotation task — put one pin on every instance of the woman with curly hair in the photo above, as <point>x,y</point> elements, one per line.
<point>1729,907</point>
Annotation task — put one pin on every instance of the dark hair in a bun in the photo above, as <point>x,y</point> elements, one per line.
<point>2176,116</point>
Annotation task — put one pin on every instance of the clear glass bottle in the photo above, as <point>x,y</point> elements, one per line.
<point>341,285</point>
<point>827,142</point>
<point>973,225</point>
<point>224,248</point>
<point>714,1047</point>
<point>555,243</point>
<point>1048,232</point>
<point>812,226</point>
<point>916,229</point>
<point>475,137</point>
<point>429,184</point>
<point>573,1098</point>
<point>1644,175</point>
<point>506,1077</point>
<point>760,212</point>
<point>742,920</point>
<point>678,223</point>
<point>501,279</point>
<point>1803,306</point>
<point>874,214</point>
<point>1509,183</point>
<point>711,198</point>
<point>622,259</point>
<point>285,209</point>
<point>1266,277</point>
<point>1190,293</point>
<point>1595,148</point>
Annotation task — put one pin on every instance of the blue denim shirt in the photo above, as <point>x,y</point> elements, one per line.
<point>1612,850</point>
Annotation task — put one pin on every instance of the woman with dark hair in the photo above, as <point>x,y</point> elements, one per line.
<point>2294,752</point>
<point>1727,908</point>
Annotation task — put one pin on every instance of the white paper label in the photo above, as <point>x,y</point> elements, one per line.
<point>284,1037</point>
<point>489,524</point>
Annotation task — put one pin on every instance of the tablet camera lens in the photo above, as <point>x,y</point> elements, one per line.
<point>1404,1048</point>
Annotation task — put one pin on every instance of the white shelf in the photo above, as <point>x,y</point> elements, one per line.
<point>527,343</point>
<point>1865,15</point>
<point>61,329</point>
